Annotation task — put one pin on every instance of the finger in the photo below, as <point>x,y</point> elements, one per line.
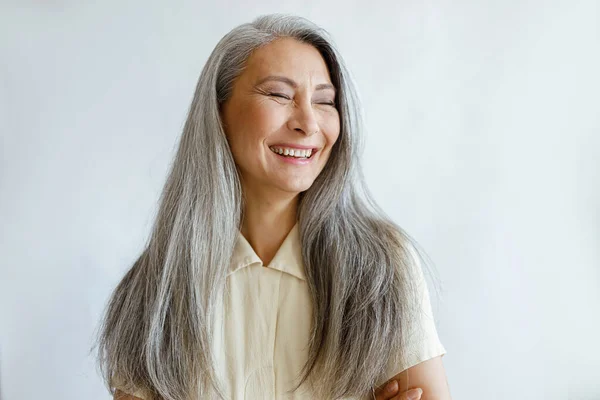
<point>412,394</point>
<point>388,391</point>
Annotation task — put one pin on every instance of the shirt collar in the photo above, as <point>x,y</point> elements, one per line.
<point>288,258</point>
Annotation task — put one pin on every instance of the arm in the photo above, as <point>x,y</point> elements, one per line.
<point>430,376</point>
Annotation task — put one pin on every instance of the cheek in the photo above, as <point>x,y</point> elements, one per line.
<point>332,130</point>
<point>248,125</point>
<point>252,123</point>
<point>261,118</point>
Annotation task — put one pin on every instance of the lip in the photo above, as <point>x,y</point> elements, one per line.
<point>294,146</point>
<point>293,160</point>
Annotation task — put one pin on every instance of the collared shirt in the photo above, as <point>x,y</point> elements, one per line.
<point>261,341</point>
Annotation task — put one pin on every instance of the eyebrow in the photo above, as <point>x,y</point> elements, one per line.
<point>292,83</point>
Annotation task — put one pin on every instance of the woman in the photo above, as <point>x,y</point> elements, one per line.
<point>269,272</point>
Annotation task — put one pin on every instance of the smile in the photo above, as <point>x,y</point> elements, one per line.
<point>291,152</point>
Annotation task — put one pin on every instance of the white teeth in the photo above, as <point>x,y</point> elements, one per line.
<point>298,153</point>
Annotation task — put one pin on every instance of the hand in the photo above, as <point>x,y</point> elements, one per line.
<point>389,391</point>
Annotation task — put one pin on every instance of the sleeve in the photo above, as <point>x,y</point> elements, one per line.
<point>424,343</point>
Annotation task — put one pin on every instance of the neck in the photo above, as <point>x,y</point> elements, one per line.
<point>267,219</point>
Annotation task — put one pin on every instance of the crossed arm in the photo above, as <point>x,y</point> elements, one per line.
<point>429,375</point>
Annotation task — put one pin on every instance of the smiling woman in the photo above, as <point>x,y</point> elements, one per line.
<point>270,271</point>
<point>286,91</point>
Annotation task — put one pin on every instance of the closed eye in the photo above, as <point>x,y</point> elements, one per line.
<point>328,103</point>
<point>283,96</point>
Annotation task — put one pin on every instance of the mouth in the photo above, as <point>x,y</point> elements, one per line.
<point>294,153</point>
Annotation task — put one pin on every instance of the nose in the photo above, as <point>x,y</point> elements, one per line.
<point>303,119</point>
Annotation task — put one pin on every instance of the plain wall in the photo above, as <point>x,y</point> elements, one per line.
<point>483,143</point>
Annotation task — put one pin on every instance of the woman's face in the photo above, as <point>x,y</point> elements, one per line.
<point>283,101</point>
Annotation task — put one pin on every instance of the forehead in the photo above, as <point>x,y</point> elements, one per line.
<point>289,57</point>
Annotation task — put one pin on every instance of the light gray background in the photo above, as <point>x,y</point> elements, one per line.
<point>483,142</point>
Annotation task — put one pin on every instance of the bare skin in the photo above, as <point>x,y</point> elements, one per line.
<point>391,391</point>
<point>429,377</point>
<point>295,107</point>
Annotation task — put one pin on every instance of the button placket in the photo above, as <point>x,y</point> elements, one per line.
<point>260,381</point>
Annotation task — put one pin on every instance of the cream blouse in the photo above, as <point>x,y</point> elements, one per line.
<point>261,344</point>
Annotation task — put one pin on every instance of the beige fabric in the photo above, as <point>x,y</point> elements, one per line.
<point>262,340</point>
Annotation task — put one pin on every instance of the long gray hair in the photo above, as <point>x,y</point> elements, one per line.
<point>157,332</point>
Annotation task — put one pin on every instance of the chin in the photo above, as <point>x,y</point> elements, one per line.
<point>296,187</point>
